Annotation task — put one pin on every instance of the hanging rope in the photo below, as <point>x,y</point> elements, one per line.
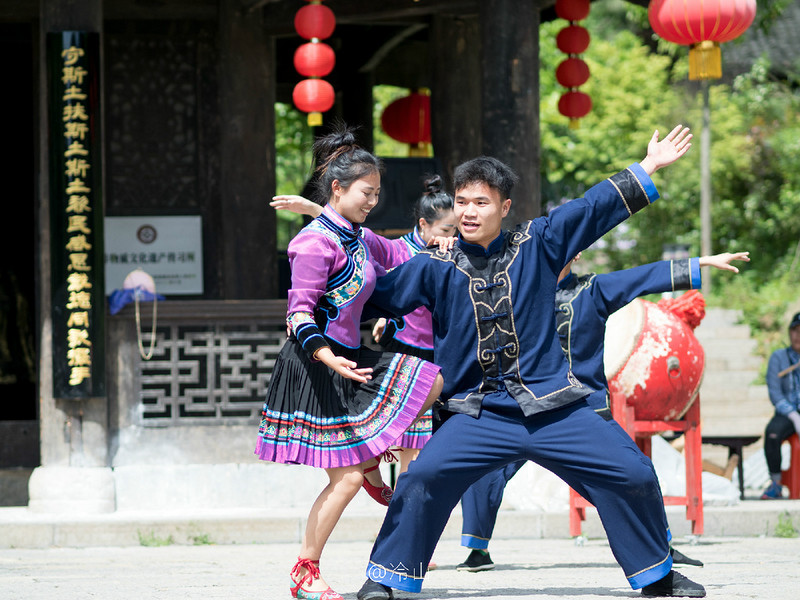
<point>145,355</point>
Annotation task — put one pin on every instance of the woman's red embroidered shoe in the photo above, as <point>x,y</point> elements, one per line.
<point>380,495</point>
<point>312,573</point>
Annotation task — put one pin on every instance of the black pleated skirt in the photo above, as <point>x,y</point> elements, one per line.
<point>316,417</point>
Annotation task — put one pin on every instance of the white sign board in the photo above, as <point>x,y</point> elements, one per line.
<point>170,249</point>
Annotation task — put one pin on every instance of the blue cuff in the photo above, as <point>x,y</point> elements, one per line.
<point>647,183</point>
<point>652,574</point>
<point>697,278</point>
<point>399,579</point>
<point>476,543</point>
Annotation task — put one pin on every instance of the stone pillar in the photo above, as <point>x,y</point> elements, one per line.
<point>247,154</point>
<point>510,96</point>
<point>74,474</point>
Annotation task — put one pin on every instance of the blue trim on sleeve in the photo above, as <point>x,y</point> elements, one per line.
<point>647,183</point>
<point>697,277</point>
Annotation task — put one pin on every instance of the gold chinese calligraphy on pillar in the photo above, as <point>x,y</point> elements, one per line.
<point>76,214</point>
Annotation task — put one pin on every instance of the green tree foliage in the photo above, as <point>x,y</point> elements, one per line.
<point>638,84</point>
<point>293,141</point>
<point>293,165</point>
<point>631,97</point>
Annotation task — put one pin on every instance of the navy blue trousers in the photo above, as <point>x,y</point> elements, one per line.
<point>595,457</point>
<point>480,503</point>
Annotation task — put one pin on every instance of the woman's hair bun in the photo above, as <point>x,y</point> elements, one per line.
<point>433,184</point>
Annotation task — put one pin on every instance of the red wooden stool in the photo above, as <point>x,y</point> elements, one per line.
<point>791,476</point>
<point>641,432</point>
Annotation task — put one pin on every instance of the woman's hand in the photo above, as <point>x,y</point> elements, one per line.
<point>667,151</point>
<point>344,367</point>
<point>444,243</point>
<point>296,204</point>
<point>378,329</point>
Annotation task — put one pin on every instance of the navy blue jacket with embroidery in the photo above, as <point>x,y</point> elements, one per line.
<point>584,303</point>
<point>493,319</point>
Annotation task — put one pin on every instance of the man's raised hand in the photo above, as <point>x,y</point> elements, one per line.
<point>667,151</point>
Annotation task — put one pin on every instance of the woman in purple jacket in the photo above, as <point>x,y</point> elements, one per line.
<point>333,403</point>
<point>412,333</point>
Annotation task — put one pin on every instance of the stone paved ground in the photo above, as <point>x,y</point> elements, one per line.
<point>541,569</point>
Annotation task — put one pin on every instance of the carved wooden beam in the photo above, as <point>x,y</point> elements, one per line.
<point>279,15</point>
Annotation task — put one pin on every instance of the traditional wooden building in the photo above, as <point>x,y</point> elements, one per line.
<point>155,119</point>
<point>159,115</point>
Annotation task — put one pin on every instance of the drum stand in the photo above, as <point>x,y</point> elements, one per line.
<point>642,432</point>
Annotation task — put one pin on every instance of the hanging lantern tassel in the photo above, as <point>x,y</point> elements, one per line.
<point>705,61</point>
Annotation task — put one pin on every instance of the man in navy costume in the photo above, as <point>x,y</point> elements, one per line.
<point>508,385</point>
<point>583,305</point>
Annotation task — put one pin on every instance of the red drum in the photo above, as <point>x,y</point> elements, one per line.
<point>653,360</point>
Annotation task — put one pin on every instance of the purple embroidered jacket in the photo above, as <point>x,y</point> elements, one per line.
<point>334,265</point>
<point>416,328</point>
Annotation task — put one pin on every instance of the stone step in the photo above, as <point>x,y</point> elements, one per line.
<point>733,398</point>
<point>725,348</point>
<point>729,379</point>
<point>747,395</point>
<point>22,529</point>
<point>732,332</point>
<point>741,403</point>
<point>716,316</point>
<point>720,414</point>
<point>737,362</point>
<point>724,406</point>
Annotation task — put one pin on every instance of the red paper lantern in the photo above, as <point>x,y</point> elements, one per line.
<point>573,39</point>
<point>572,72</point>
<point>315,21</point>
<point>703,26</point>
<point>572,10</point>
<point>313,96</point>
<point>688,23</point>
<point>575,104</point>
<point>314,59</point>
<point>408,119</point>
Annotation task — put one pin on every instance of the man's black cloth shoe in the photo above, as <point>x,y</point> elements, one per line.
<point>478,560</point>
<point>679,558</point>
<point>674,584</point>
<point>372,590</point>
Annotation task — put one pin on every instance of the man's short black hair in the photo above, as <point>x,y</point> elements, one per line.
<point>488,170</point>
